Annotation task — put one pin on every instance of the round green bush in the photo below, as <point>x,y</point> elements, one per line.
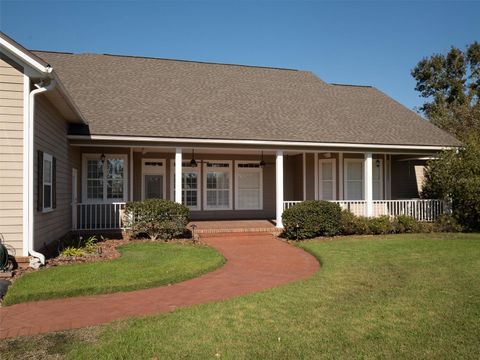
<point>406,224</point>
<point>380,225</point>
<point>159,219</point>
<point>348,223</point>
<point>312,218</point>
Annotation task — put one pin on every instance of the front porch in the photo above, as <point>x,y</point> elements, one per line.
<point>239,184</point>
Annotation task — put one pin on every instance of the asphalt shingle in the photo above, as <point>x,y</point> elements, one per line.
<point>136,96</point>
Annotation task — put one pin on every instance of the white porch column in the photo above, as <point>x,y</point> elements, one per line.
<point>368,183</point>
<point>178,175</point>
<point>304,176</point>
<point>279,187</point>
<point>130,178</point>
<point>340,176</point>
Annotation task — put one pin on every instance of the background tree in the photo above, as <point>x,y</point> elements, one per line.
<point>451,85</point>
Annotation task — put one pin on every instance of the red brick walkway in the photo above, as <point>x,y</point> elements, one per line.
<point>255,261</point>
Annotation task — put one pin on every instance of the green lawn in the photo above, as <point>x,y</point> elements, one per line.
<point>141,265</point>
<point>399,296</point>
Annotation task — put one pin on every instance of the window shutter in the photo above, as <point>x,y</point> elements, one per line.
<point>39,180</point>
<point>54,182</point>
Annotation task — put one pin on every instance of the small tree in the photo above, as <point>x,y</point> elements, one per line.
<point>455,176</point>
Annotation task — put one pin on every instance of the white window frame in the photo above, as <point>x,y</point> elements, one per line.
<point>49,158</point>
<point>230,188</point>
<point>186,168</point>
<point>345,176</point>
<point>91,156</point>
<point>238,170</point>
<point>333,161</point>
<point>157,170</point>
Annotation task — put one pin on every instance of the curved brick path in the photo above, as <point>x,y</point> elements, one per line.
<point>255,261</point>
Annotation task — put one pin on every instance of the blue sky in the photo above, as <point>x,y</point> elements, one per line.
<point>357,42</point>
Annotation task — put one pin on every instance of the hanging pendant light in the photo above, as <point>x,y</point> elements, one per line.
<point>262,162</point>
<point>193,163</point>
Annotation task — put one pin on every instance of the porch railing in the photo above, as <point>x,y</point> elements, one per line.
<point>420,209</point>
<point>98,216</point>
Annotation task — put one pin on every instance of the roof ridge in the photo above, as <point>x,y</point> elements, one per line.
<point>168,59</point>
<point>52,52</point>
<point>198,61</point>
<point>351,85</point>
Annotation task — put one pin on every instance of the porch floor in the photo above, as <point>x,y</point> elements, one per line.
<point>223,226</point>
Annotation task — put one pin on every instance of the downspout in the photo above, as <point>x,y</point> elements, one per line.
<point>31,139</point>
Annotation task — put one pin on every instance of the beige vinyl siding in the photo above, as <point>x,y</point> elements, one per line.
<point>51,137</point>
<point>11,154</point>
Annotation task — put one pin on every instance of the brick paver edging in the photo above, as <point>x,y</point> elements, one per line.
<point>255,261</point>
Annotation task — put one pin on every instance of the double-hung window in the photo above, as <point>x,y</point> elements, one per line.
<point>190,185</point>
<point>248,185</point>
<point>104,178</point>
<point>354,181</point>
<point>218,185</point>
<point>327,179</point>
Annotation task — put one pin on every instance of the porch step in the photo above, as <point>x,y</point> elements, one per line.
<point>270,230</point>
<point>240,234</point>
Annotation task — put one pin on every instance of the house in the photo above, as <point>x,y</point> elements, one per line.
<point>81,134</point>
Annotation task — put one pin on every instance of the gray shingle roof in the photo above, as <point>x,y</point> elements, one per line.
<point>135,96</point>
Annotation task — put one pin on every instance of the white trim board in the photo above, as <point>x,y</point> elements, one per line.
<point>24,57</point>
<point>257,142</point>
<point>27,195</point>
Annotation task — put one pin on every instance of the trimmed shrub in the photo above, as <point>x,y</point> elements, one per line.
<point>362,224</point>
<point>380,225</point>
<point>348,223</point>
<point>447,223</point>
<point>426,227</point>
<point>354,225</point>
<point>159,219</point>
<point>312,218</point>
<point>405,224</point>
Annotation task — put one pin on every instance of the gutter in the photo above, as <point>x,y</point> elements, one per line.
<point>30,149</point>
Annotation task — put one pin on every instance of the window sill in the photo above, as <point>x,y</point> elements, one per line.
<point>46,211</point>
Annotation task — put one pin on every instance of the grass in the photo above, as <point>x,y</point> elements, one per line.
<point>399,296</point>
<point>141,265</point>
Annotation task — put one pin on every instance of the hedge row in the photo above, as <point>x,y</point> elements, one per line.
<point>322,218</point>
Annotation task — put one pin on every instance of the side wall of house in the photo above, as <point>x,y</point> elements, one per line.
<point>407,177</point>
<point>11,154</point>
<point>51,137</point>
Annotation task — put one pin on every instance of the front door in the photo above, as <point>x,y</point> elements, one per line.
<point>153,186</point>
<point>153,179</point>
